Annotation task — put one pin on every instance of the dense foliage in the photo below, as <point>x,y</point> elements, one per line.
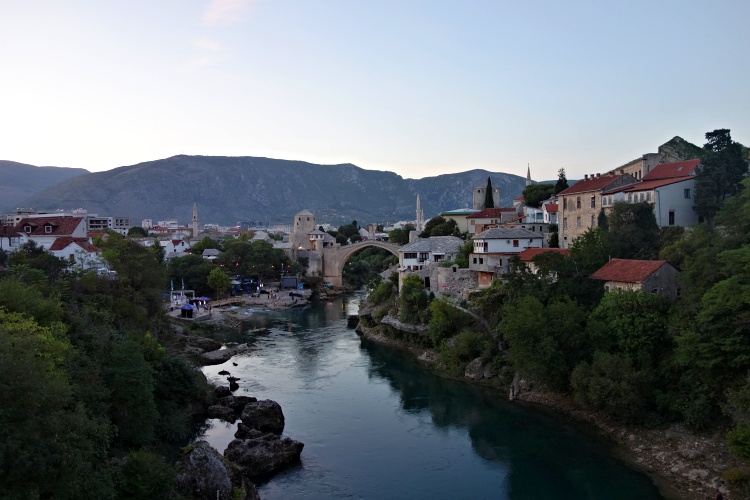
<point>88,391</point>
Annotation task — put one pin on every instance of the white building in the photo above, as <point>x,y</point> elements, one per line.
<point>494,248</point>
<point>414,256</point>
<point>669,188</point>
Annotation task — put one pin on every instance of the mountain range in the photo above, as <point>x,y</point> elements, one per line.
<point>21,181</point>
<point>259,190</point>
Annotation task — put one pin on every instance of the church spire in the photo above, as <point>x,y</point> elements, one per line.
<point>528,175</point>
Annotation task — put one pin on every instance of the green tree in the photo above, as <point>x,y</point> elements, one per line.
<point>612,385</point>
<point>445,321</point>
<point>440,226</point>
<point>412,301</point>
<point>489,201</point>
<point>218,280</point>
<point>193,270</point>
<point>137,232</point>
<point>204,244</point>
<point>400,236</point>
<point>719,174</point>
<point>562,181</point>
<point>633,229</point>
<point>593,249</point>
<point>535,194</point>
<point>462,258</point>
<point>36,257</point>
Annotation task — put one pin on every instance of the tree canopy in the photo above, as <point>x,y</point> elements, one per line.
<point>535,194</point>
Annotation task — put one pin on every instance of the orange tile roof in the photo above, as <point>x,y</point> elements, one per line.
<point>591,184</point>
<point>551,208</point>
<point>61,226</point>
<point>655,183</point>
<point>675,169</point>
<point>63,243</point>
<point>627,270</point>
<point>529,254</point>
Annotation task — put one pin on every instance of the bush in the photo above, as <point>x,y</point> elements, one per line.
<point>610,384</point>
<point>146,475</point>
<point>445,321</point>
<point>738,440</point>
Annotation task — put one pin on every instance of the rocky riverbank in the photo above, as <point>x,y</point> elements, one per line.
<point>682,464</point>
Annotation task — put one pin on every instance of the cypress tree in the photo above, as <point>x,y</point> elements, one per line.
<point>489,201</point>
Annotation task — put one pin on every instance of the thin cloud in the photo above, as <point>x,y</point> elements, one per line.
<point>223,11</point>
<point>207,52</point>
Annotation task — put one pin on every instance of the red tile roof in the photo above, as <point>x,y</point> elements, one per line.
<point>9,232</point>
<point>669,170</point>
<point>63,243</point>
<point>655,183</point>
<point>628,271</point>
<point>590,184</point>
<point>529,254</point>
<point>551,208</point>
<point>489,213</point>
<point>61,226</point>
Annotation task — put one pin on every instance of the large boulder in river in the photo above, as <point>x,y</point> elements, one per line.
<point>222,413</point>
<point>264,415</point>
<point>236,402</point>
<point>202,473</point>
<point>263,455</point>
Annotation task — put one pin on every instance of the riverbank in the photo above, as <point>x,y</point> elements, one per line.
<point>682,465</point>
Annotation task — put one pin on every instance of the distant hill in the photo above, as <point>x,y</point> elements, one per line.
<point>230,189</point>
<point>19,181</point>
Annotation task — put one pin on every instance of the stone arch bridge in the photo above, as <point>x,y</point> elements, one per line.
<point>334,259</point>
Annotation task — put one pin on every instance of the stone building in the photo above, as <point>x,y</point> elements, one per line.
<point>580,204</point>
<point>649,276</point>
<point>479,194</point>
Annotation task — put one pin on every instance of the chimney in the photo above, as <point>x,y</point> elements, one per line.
<point>598,175</point>
<point>585,177</point>
<point>622,171</point>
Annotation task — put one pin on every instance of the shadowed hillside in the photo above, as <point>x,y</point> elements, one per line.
<point>230,189</point>
<point>20,181</point>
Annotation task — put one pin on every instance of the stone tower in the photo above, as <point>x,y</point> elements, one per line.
<point>478,197</point>
<point>195,220</point>
<point>304,224</point>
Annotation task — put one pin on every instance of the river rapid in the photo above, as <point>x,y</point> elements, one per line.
<point>377,425</point>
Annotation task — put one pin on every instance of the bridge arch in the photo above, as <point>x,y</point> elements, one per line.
<point>334,259</point>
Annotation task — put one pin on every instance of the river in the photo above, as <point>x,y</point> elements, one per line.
<point>376,425</point>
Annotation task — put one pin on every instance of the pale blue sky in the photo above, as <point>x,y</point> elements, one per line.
<point>419,88</point>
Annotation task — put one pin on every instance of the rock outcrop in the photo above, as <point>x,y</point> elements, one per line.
<point>263,455</point>
<point>265,416</point>
<point>203,473</point>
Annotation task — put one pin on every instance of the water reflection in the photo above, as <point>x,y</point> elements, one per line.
<point>376,425</point>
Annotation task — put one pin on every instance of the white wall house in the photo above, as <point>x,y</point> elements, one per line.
<point>10,238</point>
<point>550,213</point>
<point>669,188</point>
<point>414,256</point>
<point>45,230</point>
<point>494,248</point>
<point>78,252</point>
<point>174,246</point>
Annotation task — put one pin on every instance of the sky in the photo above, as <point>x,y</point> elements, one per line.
<point>420,88</point>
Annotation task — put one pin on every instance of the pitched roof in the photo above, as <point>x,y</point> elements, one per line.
<point>529,254</point>
<point>669,170</point>
<point>434,244</point>
<point>61,226</point>
<point>506,233</point>
<point>458,211</point>
<point>9,232</point>
<point>590,184</point>
<point>655,183</point>
<point>627,270</point>
<point>489,213</point>
<point>63,243</point>
<point>551,208</point>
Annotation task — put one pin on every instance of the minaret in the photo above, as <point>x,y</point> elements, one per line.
<point>195,220</point>
<point>528,175</point>
<point>420,216</point>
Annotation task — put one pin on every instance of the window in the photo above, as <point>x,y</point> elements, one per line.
<point>578,202</point>
<point>578,222</point>
<point>630,197</point>
<point>27,229</point>
<point>648,196</point>
<point>565,203</point>
<point>410,256</point>
<point>515,243</point>
<point>671,217</point>
<point>593,221</point>
<point>48,229</point>
<point>475,260</point>
<point>687,193</point>
<point>565,223</point>
<point>654,291</point>
<point>481,260</point>
<point>593,202</point>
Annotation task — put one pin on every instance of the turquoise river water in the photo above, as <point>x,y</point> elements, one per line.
<point>377,425</point>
